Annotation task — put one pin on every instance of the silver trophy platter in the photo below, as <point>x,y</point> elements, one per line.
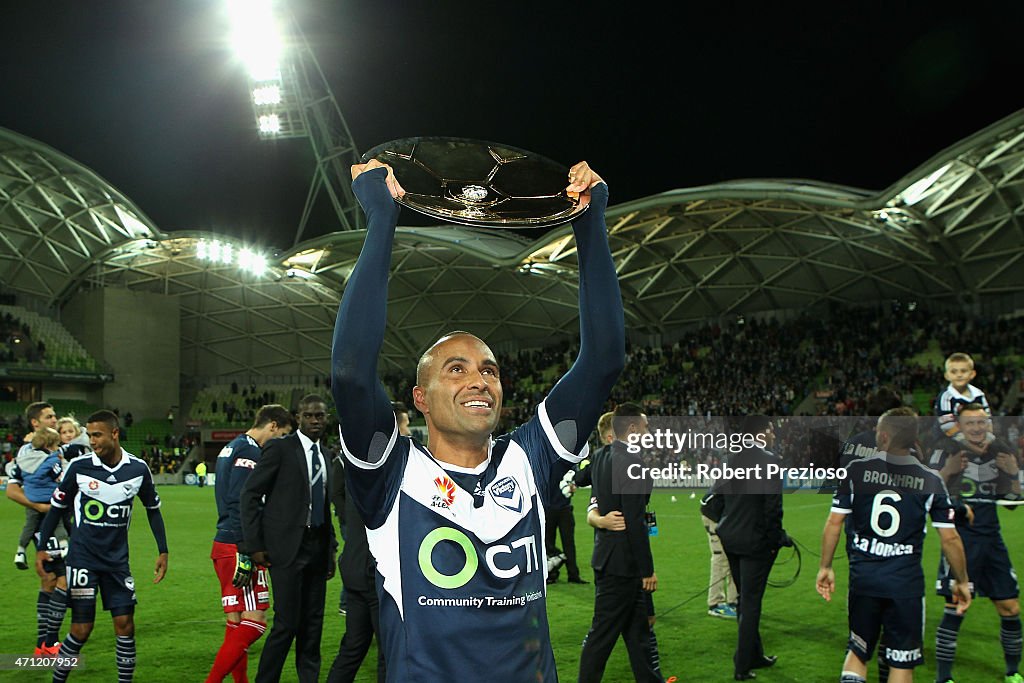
<point>479,183</point>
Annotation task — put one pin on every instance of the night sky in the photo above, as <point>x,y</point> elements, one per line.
<point>149,95</point>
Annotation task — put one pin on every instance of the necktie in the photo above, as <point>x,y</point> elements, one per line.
<point>316,517</point>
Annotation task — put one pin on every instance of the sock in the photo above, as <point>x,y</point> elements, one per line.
<point>237,639</point>
<point>42,617</point>
<point>945,644</point>
<point>21,548</point>
<point>69,648</point>
<point>125,655</point>
<point>58,606</point>
<point>883,671</point>
<point>240,674</point>
<point>652,651</point>
<point>1010,638</point>
<point>883,666</point>
<point>850,677</point>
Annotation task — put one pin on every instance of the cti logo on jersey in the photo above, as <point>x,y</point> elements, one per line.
<point>445,493</point>
<point>93,485</point>
<point>506,493</point>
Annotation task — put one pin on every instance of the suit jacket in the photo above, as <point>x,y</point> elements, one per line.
<point>628,552</point>
<point>357,564</point>
<point>275,502</point>
<point>751,521</point>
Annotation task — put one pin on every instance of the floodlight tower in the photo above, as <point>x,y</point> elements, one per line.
<point>292,99</point>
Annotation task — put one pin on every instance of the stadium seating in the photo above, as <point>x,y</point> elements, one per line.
<point>287,394</point>
<point>63,351</point>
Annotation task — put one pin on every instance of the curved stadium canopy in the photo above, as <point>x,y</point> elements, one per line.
<point>951,232</point>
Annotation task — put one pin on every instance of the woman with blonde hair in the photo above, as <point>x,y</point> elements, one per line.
<point>71,431</point>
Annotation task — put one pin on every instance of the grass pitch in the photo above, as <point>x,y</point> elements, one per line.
<point>179,624</point>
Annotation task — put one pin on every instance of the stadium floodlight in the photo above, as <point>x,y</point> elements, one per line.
<point>256,37</point>
<point>219,252</point>
<point>258,265</point>
<point>266,94</point>
<point>252,262</point>
<point>270,123</point>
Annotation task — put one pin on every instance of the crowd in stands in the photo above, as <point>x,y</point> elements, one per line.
<point>757,366</point>
<point>164,454</point>
<point>163,460</point>
<point>241,408</point>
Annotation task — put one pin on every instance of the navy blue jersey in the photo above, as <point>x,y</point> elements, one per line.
<point>948,404</point>
<point>461,552</point>
<point>101,498</point>
<point>70,451</point>
<point>860,445</point>
<point>235,463</point>
<point>980,485</point>
<point>888,499</point>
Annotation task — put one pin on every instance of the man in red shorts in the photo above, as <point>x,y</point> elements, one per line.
<point>245,594</point>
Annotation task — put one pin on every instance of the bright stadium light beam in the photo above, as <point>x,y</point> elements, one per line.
<point>256,37</point>
<point>266,94</point>
<point>252,262</point>
<point>270,123</point>
<point>258,265</point>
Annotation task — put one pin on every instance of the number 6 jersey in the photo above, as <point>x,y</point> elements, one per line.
<point>887,500</point>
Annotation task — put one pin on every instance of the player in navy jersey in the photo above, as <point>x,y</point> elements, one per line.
<point>245,595</point>
<point>885,502</point>
<point>862,444</point>
<point>101,488</point>
<point>980,470</point>
<point>458,530</point>
<point>38,415</point>
<point>32,487</point>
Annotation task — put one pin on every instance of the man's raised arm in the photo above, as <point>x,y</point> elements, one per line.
<point>364,409</point>
<point>576,402</point>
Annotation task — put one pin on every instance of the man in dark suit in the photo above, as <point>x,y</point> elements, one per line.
<point>622,561</point>
<point>750,528</point>
<point>286,525</point>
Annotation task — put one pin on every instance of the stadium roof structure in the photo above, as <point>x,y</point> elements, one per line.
<point>951,233</point>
